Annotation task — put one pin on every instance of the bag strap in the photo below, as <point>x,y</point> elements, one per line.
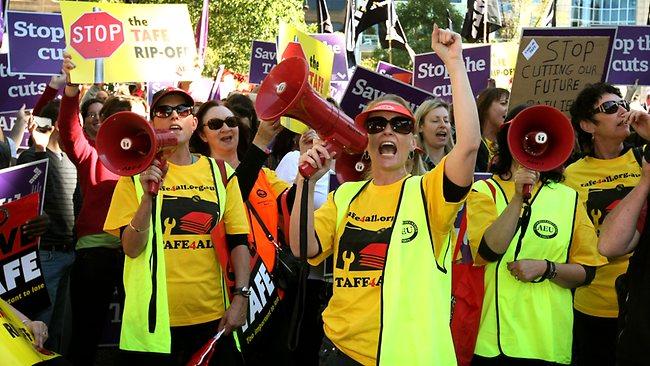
<point>268,234</point>
<point>286,215</point>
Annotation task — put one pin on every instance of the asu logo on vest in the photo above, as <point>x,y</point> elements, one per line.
<point>409,231</point>
<point>545,229</point>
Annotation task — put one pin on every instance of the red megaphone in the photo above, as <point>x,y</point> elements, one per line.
<point>127,144</point>
<point>286,92</point>
<point>540,138</point>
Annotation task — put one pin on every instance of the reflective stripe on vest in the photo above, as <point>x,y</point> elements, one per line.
<point>530,320</point>
<point>137,334</point>
<point>415,294</point>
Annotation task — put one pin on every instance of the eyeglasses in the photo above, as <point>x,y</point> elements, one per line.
<point>399,124</point>
<point>217,123</point>
<point>611,106</point>
<point>164,111</point>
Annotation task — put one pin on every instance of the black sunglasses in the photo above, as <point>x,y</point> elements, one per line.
<point>217,123</point>
<point>164,111</point>
<point>611,106</point>
<point>399,124</point>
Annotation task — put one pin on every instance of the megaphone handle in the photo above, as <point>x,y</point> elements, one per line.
<point>307,170</point>
<point>526,192</point>
<point>153,187</point>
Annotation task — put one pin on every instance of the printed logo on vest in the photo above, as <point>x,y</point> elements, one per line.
<point>261,193</point>
<point>545,229</point>
<point>409,231</point>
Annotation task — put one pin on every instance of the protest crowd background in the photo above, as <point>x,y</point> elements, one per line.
<point>319,182</point>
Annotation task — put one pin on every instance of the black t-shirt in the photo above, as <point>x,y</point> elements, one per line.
<point>5,154</point>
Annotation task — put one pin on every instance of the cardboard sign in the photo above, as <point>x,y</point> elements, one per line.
<point>430,73</point>
<point>504,60</point>
<point>112,42</point>
<point>554,64</point>
<point>631,56</point>
<point>263,58</point>
<point>21,280</point>
<point>366,86</point>
<point>336,42</point>
<point>36,43</point>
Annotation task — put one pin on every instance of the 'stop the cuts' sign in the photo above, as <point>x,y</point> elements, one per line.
<point>631,56</point>
<point>36,43</point>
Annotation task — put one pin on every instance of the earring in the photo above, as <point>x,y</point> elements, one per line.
<point>360,165</point>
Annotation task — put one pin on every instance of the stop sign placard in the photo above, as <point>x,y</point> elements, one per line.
<point>96,35</point>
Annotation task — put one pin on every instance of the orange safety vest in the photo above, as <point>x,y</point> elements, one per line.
<point>263,201</point>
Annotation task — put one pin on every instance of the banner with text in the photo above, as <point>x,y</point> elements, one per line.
<point>21,282</point>
<point>555,64</point>
<point>430,73</point>
<point>631,56</point>
<point>263,58</point>
<point>112,42</point>
<point>36,43</point>
<point>336,42</point>
<point>320,58</point>
<point>16,90</point>
<point>504,59</point>
<point>395,72</point>
<point>366,86</point>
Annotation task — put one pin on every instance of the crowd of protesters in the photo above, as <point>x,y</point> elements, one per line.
<point>184,263</point>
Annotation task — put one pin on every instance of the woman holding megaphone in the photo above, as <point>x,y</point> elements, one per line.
<point>389,235</point>
<point>535,251</point>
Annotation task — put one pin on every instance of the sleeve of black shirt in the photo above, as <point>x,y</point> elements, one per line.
<point>31,155</point>
<point>248,169</point>
<point>5,155</point>
<point>453,192</point>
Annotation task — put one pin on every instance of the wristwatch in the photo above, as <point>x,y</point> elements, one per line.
<point>244,291</point>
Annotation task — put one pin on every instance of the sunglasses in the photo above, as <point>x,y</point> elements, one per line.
<point>399,124</point>
<point>164,111</point>
<point>217,123</point>
<point>611,107</point>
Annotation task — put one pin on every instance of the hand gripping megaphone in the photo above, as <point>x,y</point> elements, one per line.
<point>127,144</point>
<point>540,138</point>
<point>286,92</point>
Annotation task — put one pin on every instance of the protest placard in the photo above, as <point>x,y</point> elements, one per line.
<point>112,42</point>
<point>554,64</point>
<point>320,59</point>
<point>504,59</point>
<point>16,90</point>
<point>631,56</point>
<point>336,42</point>
<point>36,43</point>
<point>263,58</point>
<point>366,86</point>
<point>21,280</point>
<point>395,72</point>
<point>154,86</point>
<point>430,73</point>
<point>337,89</point>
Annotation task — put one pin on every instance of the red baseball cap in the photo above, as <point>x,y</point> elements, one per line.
<point>388,106</point>
<point>169,91</point>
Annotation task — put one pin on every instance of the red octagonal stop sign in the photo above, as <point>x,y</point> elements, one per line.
<point>96,35</point>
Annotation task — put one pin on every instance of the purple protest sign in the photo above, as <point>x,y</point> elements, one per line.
<point>336,42</point>
<point>36,42</point>
<point>337,89</point>
<point>366,85</point>
<point>263,58</point>
<point>154,86</point>
<point>630,56</point>
<point>385,68</point>
<point>431,74</point>
<point>21,180</point>
<point>7,121</point>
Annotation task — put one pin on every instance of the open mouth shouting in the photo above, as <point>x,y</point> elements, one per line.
<point>387,148</point>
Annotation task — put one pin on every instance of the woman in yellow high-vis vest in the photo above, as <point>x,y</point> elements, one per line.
<point>172,278</point>
<point>534,254</point>
<point>390,235</point>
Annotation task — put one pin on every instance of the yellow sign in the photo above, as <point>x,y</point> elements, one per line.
<point>320,58</point>
<point>129,42</point>
<point>504,59</point>
<point>16,345</point>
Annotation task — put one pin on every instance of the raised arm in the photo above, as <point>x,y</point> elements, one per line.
<point>619,234</point>
<point>462,158</point>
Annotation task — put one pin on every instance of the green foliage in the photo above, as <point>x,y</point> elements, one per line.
<point>417,18</point>
<point>234,24</point>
